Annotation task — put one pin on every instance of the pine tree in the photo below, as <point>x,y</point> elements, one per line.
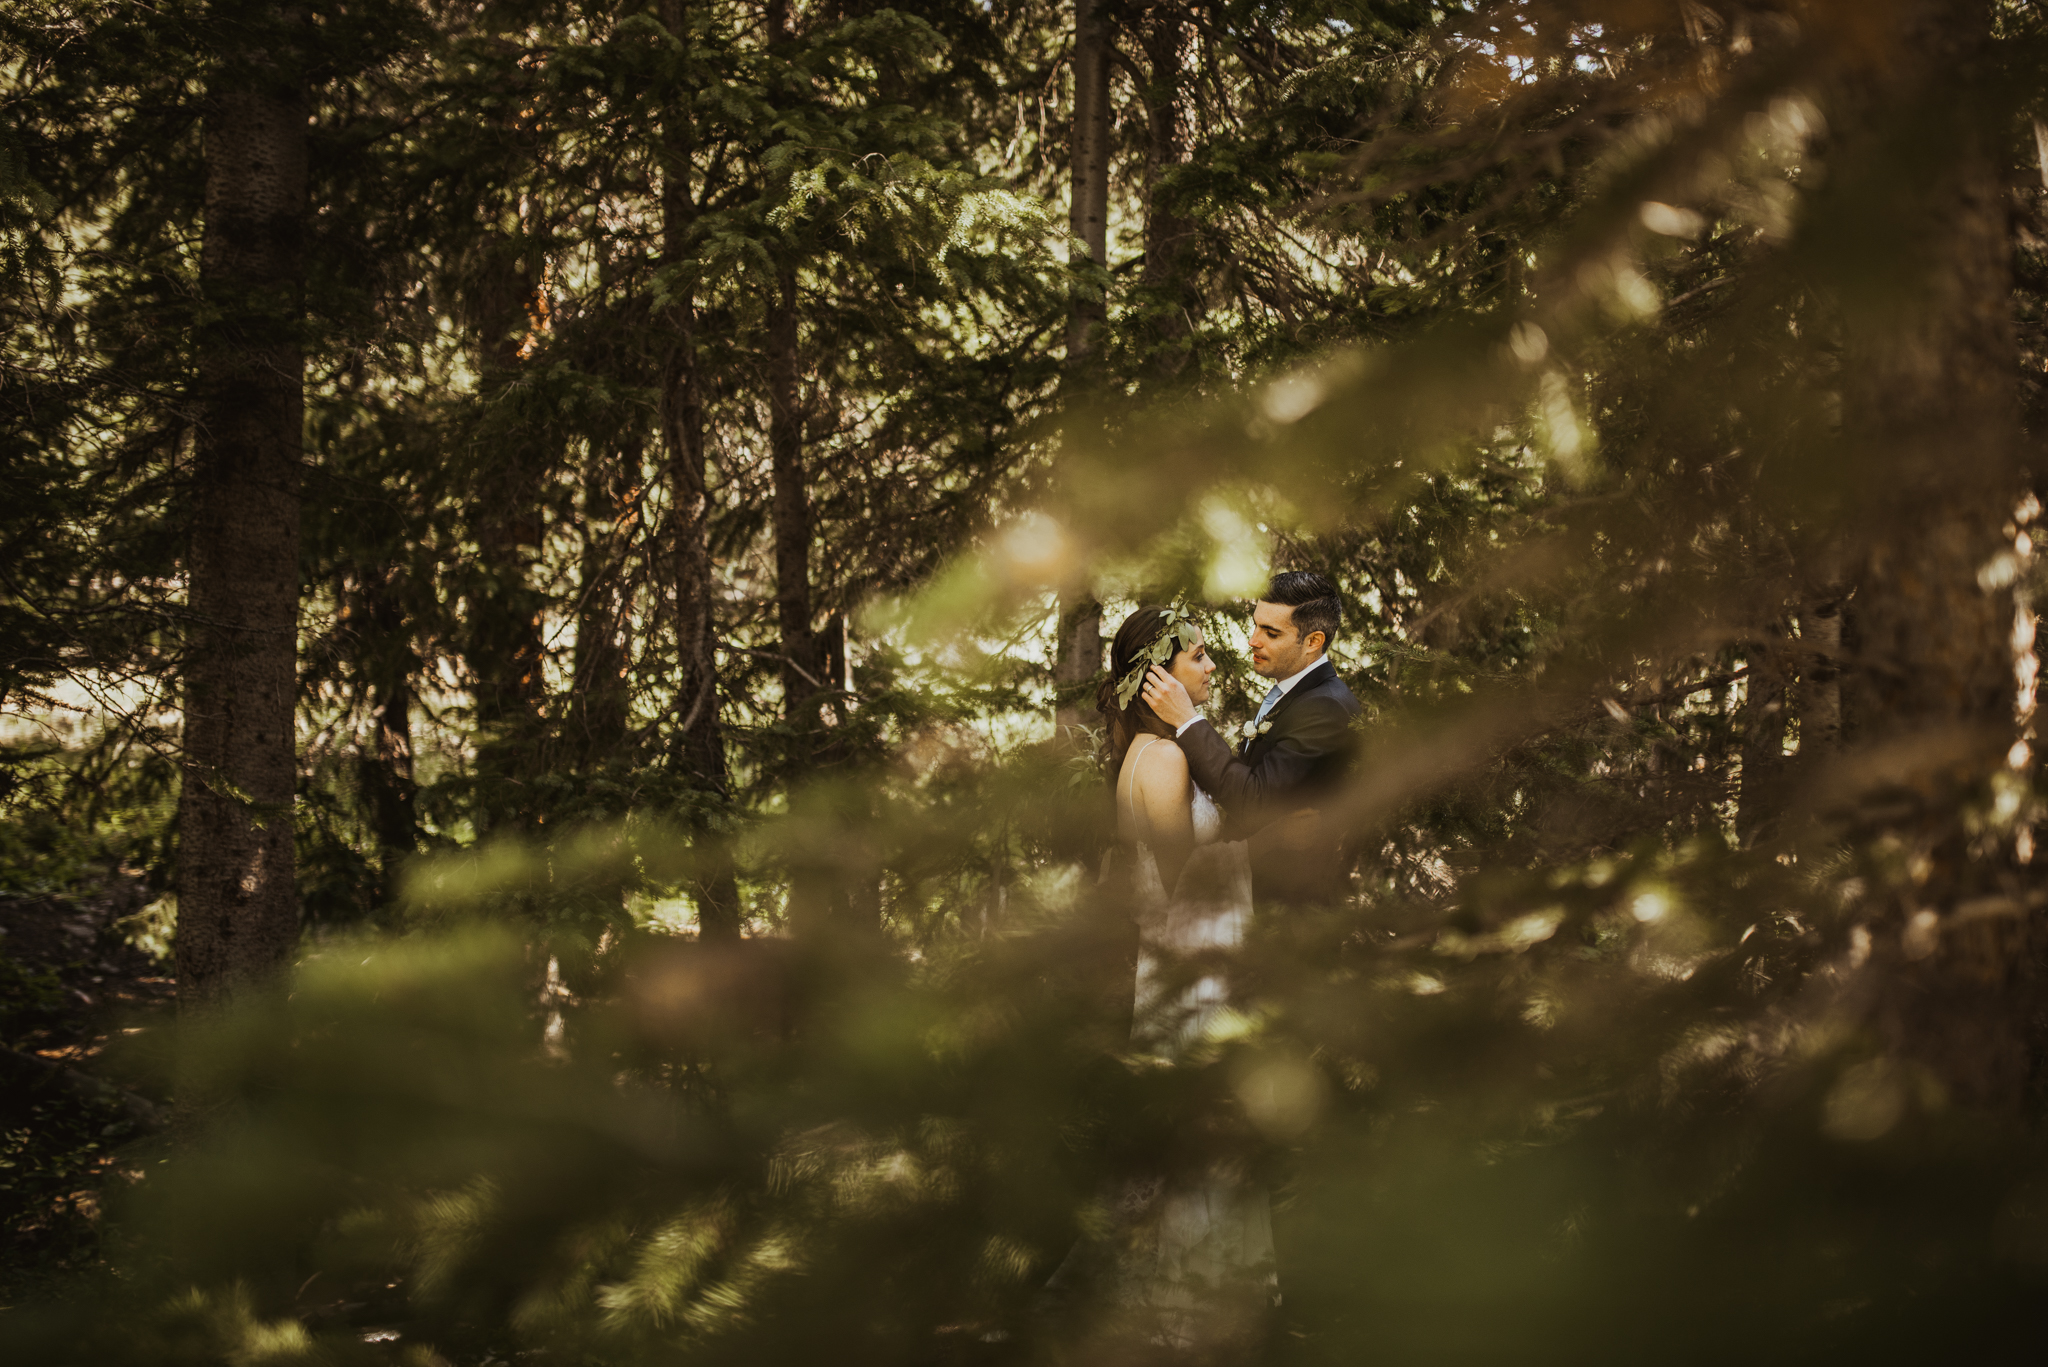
<point>1078,630</point>
<point>237,903</point>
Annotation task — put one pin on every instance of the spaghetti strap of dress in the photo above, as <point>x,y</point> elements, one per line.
<point>1126,799</point>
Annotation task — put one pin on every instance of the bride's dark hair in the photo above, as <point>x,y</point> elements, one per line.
<point>1140,631</point>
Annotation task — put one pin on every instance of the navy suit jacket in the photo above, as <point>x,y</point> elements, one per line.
<point>1301,755</point>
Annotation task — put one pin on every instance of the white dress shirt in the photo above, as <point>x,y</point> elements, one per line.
<point>1285,686</point>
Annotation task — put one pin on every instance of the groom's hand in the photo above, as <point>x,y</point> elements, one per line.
<point>1168,698</point>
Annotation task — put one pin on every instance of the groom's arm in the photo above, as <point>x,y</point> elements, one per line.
<point>1310,730</point>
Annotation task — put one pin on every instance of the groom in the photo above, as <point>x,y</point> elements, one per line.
<point>1296,747</point>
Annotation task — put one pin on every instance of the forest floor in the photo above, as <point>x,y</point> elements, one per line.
<point>82,1017</point>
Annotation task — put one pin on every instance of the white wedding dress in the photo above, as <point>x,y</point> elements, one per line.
<point>1208,909</point>
<point>1196,1261</point>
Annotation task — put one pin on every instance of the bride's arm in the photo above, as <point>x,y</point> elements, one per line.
<point>1165,795</point>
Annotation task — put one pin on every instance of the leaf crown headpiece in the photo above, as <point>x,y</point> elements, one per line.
<point>1179,633</point>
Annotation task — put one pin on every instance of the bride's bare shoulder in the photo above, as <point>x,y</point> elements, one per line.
<point>1160,766</point>
<point>1156,773</point>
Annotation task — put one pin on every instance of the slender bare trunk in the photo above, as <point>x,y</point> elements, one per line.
<point>1927,656</point>
<point>1164,34</point>
<point>1937,413</point>
<point>1762,721</point>
<point>386,773</point>
<point>1088,211</point>
<point>506,648</point>
<point>1079,660</point>
<point>697,744</point>
<point>598,672</point>
<point>502,641</point>
<point>503,645</point>
<point>238,913</point>
<point>791,514</point>
<point>820,872</point>
<point>1078,649</point>
<point>1820,674</point>
<point>834,649</point>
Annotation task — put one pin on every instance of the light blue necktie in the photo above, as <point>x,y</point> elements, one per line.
<point>1273,695</point>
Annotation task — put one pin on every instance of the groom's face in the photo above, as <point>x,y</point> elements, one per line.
<point>1276,647</point>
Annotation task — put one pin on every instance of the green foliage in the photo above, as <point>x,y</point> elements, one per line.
<point>26,998</point>
<point>1177,633</point>
<point>55,1156</point>
<point>1685,996</point>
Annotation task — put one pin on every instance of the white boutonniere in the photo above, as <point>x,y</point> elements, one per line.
<point>1255,728</point>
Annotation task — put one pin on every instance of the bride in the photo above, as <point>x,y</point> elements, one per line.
<point>1195,1261</point>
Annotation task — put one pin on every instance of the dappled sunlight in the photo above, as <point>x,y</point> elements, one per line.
<point>719,907</point>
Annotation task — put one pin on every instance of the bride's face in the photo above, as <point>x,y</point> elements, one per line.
<point>1193,668</point>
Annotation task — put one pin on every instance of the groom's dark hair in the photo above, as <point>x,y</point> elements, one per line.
<point>1314,600</point>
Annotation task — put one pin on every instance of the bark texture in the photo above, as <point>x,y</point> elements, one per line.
<point>802,667</point>
<point>1820,675</point>
<point>1165,35</point>
<point>504,645</point>
<point>1078,661</point>
<point>1925,640</point>
<point>697,747</point>
<point>1764,711</point>
<point>698,744</point>
<point>386,776</point>
<point>1088,211</point>
<point>1078,650</point>
<point>597,720</point>
<point>237,907</point>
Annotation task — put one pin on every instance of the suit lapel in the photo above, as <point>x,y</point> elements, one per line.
<point>1312,679</point>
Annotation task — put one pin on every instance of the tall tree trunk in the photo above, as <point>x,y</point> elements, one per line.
<point>1088,208</point>
<point>822,873</point>
<point>598,687</point>
<point>504,645</point>
<point>1935,407</point>
<point>386,771</point>
<point>818,871</point>
<point>697,744</point>
<point>1164,33</point>
<point>504,649</point>
<point>1820,671</point>
<point>238,914</point>
<point>1763,739</point>
<point>1078,647</point>
<point>1928,658</point>
<point>1079,660</point>
<point>833,650</point>
<point>802,669</point>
